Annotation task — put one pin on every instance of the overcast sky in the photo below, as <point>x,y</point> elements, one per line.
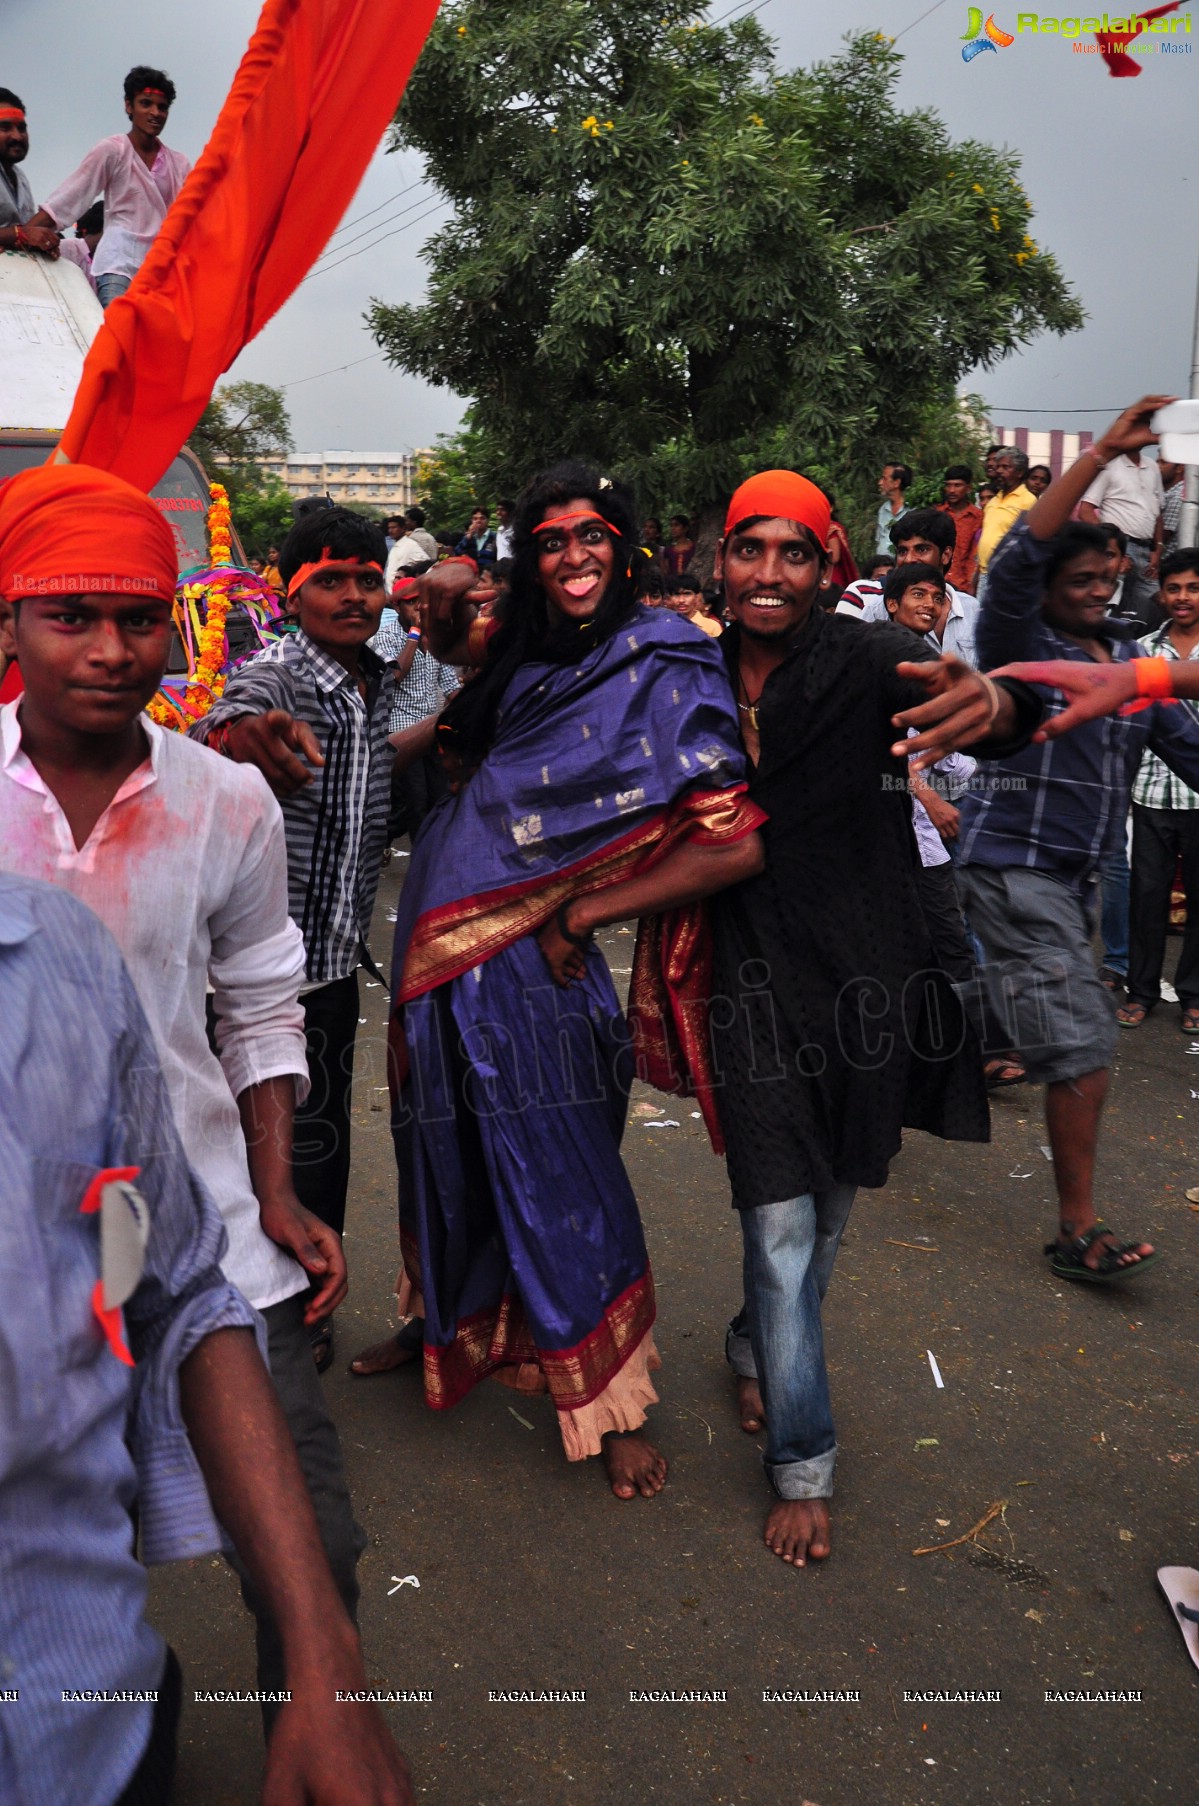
<point>1109,166</point>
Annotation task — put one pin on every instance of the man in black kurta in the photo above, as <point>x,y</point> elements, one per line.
<point>834,1025</point>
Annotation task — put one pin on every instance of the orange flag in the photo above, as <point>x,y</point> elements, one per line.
<point>314,94</point>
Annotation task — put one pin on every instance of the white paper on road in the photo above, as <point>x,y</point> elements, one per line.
<point>932,1361</point>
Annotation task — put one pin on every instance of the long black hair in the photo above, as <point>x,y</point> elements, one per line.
<point>468,725</point>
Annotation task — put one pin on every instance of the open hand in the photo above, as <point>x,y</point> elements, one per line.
<point>1091,689</point>
<point>271,741</point>
<point>962,710</point>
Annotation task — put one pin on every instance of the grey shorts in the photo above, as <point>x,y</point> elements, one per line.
<point>1039,978</point>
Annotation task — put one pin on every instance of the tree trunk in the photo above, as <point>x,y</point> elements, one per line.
<point>707,539</point>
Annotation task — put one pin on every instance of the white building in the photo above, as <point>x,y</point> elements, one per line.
<point>1057,449</point>
<point>377,482</point>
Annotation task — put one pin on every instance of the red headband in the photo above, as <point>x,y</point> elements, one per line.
<point>154,93</point>
<point>12,113</point>
<point>68,530</point>
<point>560,520</point>
<point>781,495</point>
<point>347,566</point>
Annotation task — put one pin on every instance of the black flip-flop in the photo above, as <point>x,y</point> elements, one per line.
<point>1068,1259</point>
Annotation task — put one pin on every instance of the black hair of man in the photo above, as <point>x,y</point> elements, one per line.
<point>143,77</point>
<point>331,533</point>
<point>1072,542</point>
<point>527,631</point>
<point>992,449</point>
<point>449,540</point>
<point>905,576</point>
<point>1184,558</point>
<point>9,99</point>
<point>1118,534</point>
<point>685,583</point>
<point>91,221</point>
<point>510,506</point>
<point>415,517</point>
<point>880,561</point>
<point>902,473</point>
<point>924,523</point>
<point>959,473</point>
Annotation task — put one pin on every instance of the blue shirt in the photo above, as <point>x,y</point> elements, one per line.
<point>1059,808</point>
<point>81,1434</point>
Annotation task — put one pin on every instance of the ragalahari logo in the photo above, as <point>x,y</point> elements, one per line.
<point>982,37</point>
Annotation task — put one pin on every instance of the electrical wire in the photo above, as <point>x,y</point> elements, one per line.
<point>323,269</point>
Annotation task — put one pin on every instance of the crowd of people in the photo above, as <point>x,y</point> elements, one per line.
<point>863,856</point>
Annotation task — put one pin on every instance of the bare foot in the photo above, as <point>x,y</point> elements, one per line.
<point>634,1465</point>
<point>382,1357</point>
<point>750,1406</point>
<point>797,1529</point>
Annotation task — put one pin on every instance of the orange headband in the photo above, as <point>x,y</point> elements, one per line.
<point>347,566</point>
<point>66,530</point>
<point>12,113</point>
<point>781,495</point>
<point>560,520</point>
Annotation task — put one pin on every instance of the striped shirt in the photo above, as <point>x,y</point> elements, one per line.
<point>336,826</point>
<point>1156,786</point>
<point>81,1434</point>
<point>421,690</point>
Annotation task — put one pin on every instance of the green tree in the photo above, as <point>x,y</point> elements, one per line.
<point>243,424</point>
<point>666,252</point>
<point>450,479</point>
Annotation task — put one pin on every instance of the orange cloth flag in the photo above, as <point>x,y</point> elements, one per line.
<point>316,89</point>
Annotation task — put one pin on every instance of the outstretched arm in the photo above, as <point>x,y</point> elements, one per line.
<point>967,709</point>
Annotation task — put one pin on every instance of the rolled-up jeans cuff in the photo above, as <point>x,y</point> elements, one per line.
<point>812,1479</point>
<point>739,1350</point>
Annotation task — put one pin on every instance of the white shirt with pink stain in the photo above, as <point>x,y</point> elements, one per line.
<point>187,869</point>
<point>136,199</point>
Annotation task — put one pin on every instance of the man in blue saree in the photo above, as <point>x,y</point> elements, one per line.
<point>601,777</point>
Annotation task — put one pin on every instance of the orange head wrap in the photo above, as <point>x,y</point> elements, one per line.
<point>781,495</point>
<point>68,530</point>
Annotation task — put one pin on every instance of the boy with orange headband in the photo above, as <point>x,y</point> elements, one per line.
<point>840,1027</point>
<point>182,857</point>
<point>138,176</point>
<point>313,713</point>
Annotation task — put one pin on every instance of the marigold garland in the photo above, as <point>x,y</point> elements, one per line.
<point>202,603</point>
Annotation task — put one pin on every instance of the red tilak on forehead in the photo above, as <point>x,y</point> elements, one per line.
<point>347,566</point>
<point>560,520</point>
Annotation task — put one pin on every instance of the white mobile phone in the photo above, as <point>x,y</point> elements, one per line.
<point>1177,424</point>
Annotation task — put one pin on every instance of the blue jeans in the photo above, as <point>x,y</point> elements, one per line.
<point>1113,920</point>
<point>110,286</point>
<point>777,1336</point>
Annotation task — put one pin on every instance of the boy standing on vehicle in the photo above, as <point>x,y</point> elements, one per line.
<point>138,176</point>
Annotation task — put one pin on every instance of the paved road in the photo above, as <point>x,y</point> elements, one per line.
<point>1076,1407</point>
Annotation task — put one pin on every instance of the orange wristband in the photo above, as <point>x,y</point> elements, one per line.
<point>1154,677</point>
